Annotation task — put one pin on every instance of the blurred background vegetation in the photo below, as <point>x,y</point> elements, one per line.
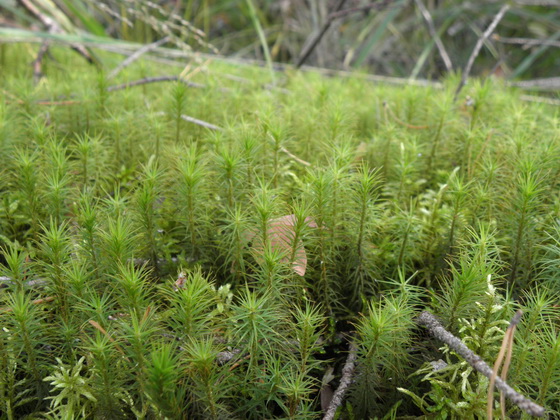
<point>413,39</point>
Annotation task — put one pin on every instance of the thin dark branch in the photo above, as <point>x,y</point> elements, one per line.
<point>436,329</point>
<point>478,46</point>
<point>158,79</point>
<point>345,381</point>
<point>431,28</point>
<point>137,54</point>
<point>304,55</point>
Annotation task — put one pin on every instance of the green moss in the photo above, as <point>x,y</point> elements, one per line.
<point>402,200</point>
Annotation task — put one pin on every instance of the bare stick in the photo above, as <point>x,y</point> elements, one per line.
<point>540,100</point>
<point>431,28</point>
<point>343,13</point>
<point>38,62</point>
<point>526,42</point>
<point>294,157</point>
<point>436,329</point>
<point>8,281</point>
<point>54,28</point>
<point>311,46</point>
<point>478,46</point>
<point>547,83</point>
<point>137,54</point>
<point>345,381</point>
<point>147,80</point>
<point>201,123</point>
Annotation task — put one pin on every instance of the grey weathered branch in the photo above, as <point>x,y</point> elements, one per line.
<point>306,52</point>
<point>54,28</point>
<point>37,282</point>
<point>436,329</point>
<point>527,42</point>
<point>345,382</point>
<point>201,123</point>
<point>478,46</point>
<point>136,55</point>
<point>430,22</point>
<point>158,79</point>
<point>547,83</point>
<point>38,62</point>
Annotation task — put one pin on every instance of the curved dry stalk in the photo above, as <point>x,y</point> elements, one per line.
<point>507,344</point>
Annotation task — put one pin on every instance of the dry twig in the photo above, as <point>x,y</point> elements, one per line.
<point>54,28</point>
<point>38,62</point>
<point>294,157</point>
<point>526,42</point>
<point>136,55</point>
<point>345,381</point>
<point>478,46</point>
<point>429,21</point>
<point>436,329</point>
<point>548,83</point>
<point>201,123</point>
<point>306,52</point>
<point>365,8</point>
<point>158,79</point>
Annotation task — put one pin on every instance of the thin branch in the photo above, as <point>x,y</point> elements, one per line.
<point>548,83</point>
<point>201,123</point>
<point>540,100</point>
<point>431,28</point>
<point>526,42</point>
<point>54,28</point>
<point>294,157</point>
<point>367,7</point>
<point>197,122</point>
<point>306,52</point>
<point>158,79</point>
<point>436,329</point>
<point>478,46</point>
<point>8,281</point>
<point>137,54</point>
<point>38,62</point>
<point>345,381</point>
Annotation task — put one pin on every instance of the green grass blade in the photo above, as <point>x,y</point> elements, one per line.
<point>378,33</point>
<point>262,36</point>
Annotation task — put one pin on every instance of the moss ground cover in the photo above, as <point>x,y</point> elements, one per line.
<point>209,247</point>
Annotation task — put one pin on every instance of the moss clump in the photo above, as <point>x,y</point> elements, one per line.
<point>207,249</point>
